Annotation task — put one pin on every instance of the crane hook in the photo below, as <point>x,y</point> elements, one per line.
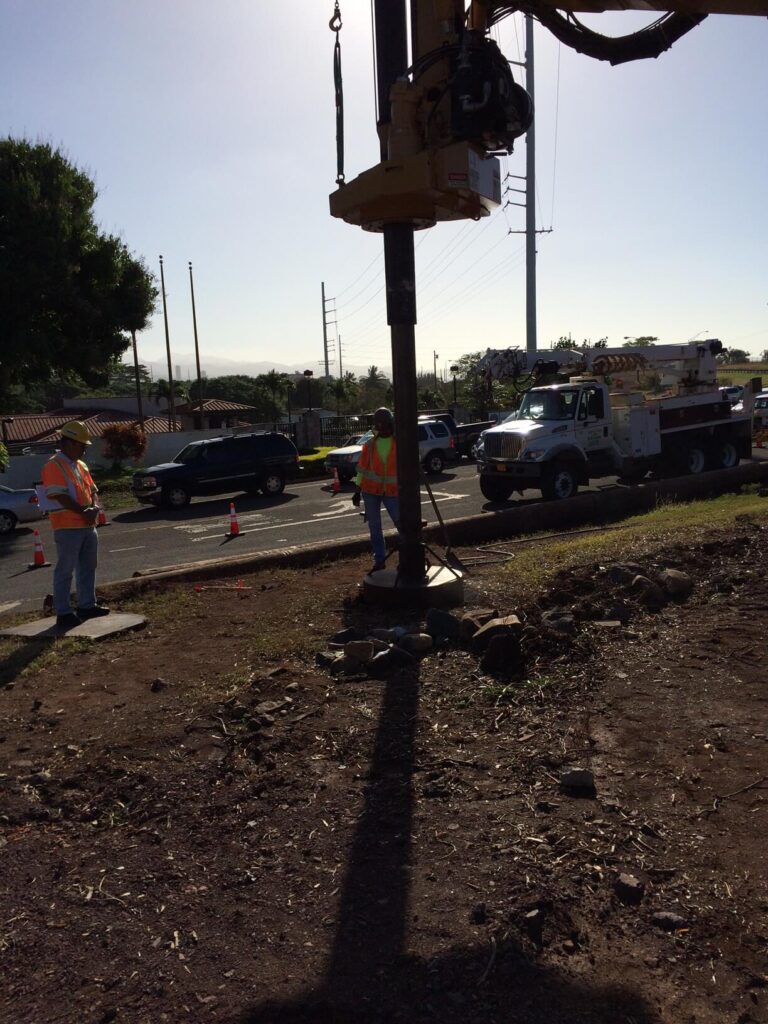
<point>335,23</point>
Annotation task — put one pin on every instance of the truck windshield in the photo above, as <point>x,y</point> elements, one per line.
<point>548,405</point>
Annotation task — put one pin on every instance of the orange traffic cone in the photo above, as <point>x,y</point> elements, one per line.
<point>336,482</point>
<point>102,520</point>
<point>39,556</point>
<point>234,526</point>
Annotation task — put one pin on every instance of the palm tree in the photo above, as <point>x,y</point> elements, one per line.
<point>373,386</point>
<point>340,391</point>
<point>277,384</point>
<point>162,389</point>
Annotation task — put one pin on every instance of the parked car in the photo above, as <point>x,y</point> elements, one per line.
<point>436,447</point>
<point>18,507</point>
<point>734,393</point>
<point>247,462</point>
<point>760,414</point>
<point>465,435</point>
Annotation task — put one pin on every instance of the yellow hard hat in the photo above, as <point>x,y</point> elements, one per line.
<point>75,431</point>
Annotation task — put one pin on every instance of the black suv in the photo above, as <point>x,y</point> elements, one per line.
<point>246,462</point>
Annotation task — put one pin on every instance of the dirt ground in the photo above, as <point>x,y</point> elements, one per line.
<point>199,823</point>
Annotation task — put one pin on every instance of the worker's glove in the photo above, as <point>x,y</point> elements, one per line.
<point>356,499</point>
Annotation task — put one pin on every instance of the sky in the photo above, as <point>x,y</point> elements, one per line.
<point>210,132</point>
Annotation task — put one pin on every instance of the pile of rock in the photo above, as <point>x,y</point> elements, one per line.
<point>380,651</point>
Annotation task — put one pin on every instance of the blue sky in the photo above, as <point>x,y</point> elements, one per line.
<point>209,129</point>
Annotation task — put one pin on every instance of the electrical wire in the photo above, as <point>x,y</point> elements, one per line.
<point>375,259</point>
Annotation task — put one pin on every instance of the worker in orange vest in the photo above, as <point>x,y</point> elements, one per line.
<point>376,481</point>
<point>68,483</point>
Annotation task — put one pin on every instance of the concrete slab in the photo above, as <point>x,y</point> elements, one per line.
<point>91,629</point>
<point>441,588</point>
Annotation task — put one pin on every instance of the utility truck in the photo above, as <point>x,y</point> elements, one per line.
<point>625,411</point>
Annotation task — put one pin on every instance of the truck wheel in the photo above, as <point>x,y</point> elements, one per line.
<point>273,484</point>
<point>176,497</point>
<point>694,459</point>
<point>559,482</point>
<point>494,489</point>
<point>7,522</point>
<point>434,463</point>
<point>725,455</point>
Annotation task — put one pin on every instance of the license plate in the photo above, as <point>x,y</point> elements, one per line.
<point>501,468</point>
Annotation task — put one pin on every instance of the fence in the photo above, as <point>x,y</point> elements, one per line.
<point>336,429</point>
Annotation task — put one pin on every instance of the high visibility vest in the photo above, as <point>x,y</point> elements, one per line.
<point>376,477</point>
<point>63,476</point>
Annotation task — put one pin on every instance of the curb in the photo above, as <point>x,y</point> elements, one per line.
<point>598,507</point>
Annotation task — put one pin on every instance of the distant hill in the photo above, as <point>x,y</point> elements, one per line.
<point>225,367</point>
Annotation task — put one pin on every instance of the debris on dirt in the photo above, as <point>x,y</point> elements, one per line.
<point>629,889</point>
<point>669,921</point>
<point>579,781</point>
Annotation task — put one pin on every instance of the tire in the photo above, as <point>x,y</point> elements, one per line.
<point>176,497</point>
<point>7,522</point>
<point>559,482</point>
<point>694,460</point>
<point>434,463</point>
<point>273,484</point>
<point>494,489</point>
<point>725,455</point>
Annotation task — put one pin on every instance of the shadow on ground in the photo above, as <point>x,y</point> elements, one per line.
<point>205,509</point>
<point>371,977</point>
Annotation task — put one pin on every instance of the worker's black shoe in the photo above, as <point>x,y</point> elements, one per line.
<point>92,613</point>
<point>68,621</point>
<point>377,567</point>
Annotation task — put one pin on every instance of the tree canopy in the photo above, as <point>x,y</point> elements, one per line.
<point>68,292</point>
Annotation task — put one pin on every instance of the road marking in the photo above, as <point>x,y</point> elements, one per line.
<point>114,551</point>
<point>7,607</point>
<point>336,509</point>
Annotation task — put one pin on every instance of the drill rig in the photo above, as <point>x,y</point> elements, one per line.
<point>446,109</point>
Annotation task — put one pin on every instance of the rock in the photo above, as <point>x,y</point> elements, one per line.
<point>723,583</point>
<point>508,624</point>
<point>503,654</point>
<point>416,643</point>
<point>648,593</point>
<point>569,946</point>
<point>442,625</point>
<point>608,625</point>
<point>624,573</point>
<point>620,610</point>
<point>479,914</point>
<point>345,666</point>
<point>360,651</point>
<point>578,780</point>
<point>386,662</point>
<point>269,707</point>
<point>677,584</point>
<point>669,921</point>
<point>533,922</point>
<point>378,645</point>
<point>388,636</point>
<point>559,621</point>
<point>344,636</point>
<point>470,622</point>
<point>629,889</point>
<point>158,684</point>
<point>327,659</point>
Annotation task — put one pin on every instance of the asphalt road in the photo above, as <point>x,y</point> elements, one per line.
<point>306,513</point>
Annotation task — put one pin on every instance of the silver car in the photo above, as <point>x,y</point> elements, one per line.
<point>18,507</point>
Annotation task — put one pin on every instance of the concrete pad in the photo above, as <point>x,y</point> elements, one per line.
<point>440,588</point>
<point>91,629</point>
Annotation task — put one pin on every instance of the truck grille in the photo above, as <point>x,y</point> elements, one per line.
<point>502,446</point>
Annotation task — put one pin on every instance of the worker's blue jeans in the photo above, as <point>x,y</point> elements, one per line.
<point>78,552</point>
<point>373,503</point>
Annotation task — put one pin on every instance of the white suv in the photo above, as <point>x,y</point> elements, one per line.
<point>436,447</point>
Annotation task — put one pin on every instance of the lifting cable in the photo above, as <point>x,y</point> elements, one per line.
<point>335,26</point>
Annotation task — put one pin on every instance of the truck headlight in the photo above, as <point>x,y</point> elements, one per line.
<point>534,453</point>
<point>148,483</point>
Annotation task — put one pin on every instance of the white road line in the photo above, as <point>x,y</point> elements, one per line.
<point>439,496</point>
<point>7,607</point>
<point>114,551</point>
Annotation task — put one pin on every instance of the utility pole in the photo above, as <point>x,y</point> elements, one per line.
<point>530,200</point>
<point>326,321</point>
<point>341,372</point>
<point>434,366</point>
<point>197,348</point>
<point>139,406</point>
<point>171,398</point>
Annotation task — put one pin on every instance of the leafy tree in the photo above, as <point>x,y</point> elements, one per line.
<point>124,441</point>
<point>340,391</point>
<point>68,292</point>
<point>3,457</point>
<point>642,339</point>
<point>736,355</point>
<point>162,389</point>
<point>429,399</point>
<point>276,384</point>
<point>373,387</point>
